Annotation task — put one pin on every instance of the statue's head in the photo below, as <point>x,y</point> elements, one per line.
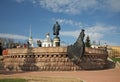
<point>56,22</point>
<point>82,30</point>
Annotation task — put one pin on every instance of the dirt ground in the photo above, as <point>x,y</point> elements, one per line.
<point>108,75</point>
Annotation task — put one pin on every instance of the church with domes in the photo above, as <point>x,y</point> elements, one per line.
<point>47,42</point>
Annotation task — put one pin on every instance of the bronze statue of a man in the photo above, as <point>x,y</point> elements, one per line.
<point>56,29</point>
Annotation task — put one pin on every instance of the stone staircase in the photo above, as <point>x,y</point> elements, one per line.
<point>117,65</point>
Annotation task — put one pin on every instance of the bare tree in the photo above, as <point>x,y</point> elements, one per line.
<point>6,42</point>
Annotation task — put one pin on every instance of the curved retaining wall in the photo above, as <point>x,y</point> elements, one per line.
<point>45,59</point>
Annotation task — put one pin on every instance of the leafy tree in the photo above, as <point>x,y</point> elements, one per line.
<point>87,42</point>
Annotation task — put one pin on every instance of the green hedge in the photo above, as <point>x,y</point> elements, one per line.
<point>116,59</point>
<point>13,80</point>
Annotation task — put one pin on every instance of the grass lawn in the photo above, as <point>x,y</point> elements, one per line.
<point>13,80</point>
<point>116,59</point>
<point>41,79</point>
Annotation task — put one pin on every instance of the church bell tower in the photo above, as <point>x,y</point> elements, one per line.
<point>30,40</point>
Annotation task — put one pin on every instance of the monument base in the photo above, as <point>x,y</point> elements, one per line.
<point>52,59</point>
<point>56,41</point>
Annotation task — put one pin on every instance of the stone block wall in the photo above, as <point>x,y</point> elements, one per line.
<point>42,59</point>
<point>114,51</point>
<point>46,59</point>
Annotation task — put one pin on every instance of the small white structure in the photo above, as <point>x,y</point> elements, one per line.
<point>94,46</point>
<point>47,42</point>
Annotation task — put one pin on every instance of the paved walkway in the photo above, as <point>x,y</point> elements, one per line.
<point>109,75</point>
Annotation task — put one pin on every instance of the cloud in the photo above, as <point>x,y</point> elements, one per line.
<point>113,5</point>
<point>70,22</point>
<point>76,6</point>
<point>68,6</point>
<point>64,6</point>
<point>13,36</point>
<point>74,33</point>
<point>96,32</point>
<point>104,42</point>
<point>17,37</point>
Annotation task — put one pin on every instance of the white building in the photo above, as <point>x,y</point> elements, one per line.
<point>94,46</point>
<point>47,42</point>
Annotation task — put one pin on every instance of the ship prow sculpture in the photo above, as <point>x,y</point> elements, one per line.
<point>77,50</point>
<point>88,58</point>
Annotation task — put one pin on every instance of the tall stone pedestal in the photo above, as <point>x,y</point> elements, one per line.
<point>56,41</point>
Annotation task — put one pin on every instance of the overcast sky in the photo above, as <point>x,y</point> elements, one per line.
<point>99,18</point>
